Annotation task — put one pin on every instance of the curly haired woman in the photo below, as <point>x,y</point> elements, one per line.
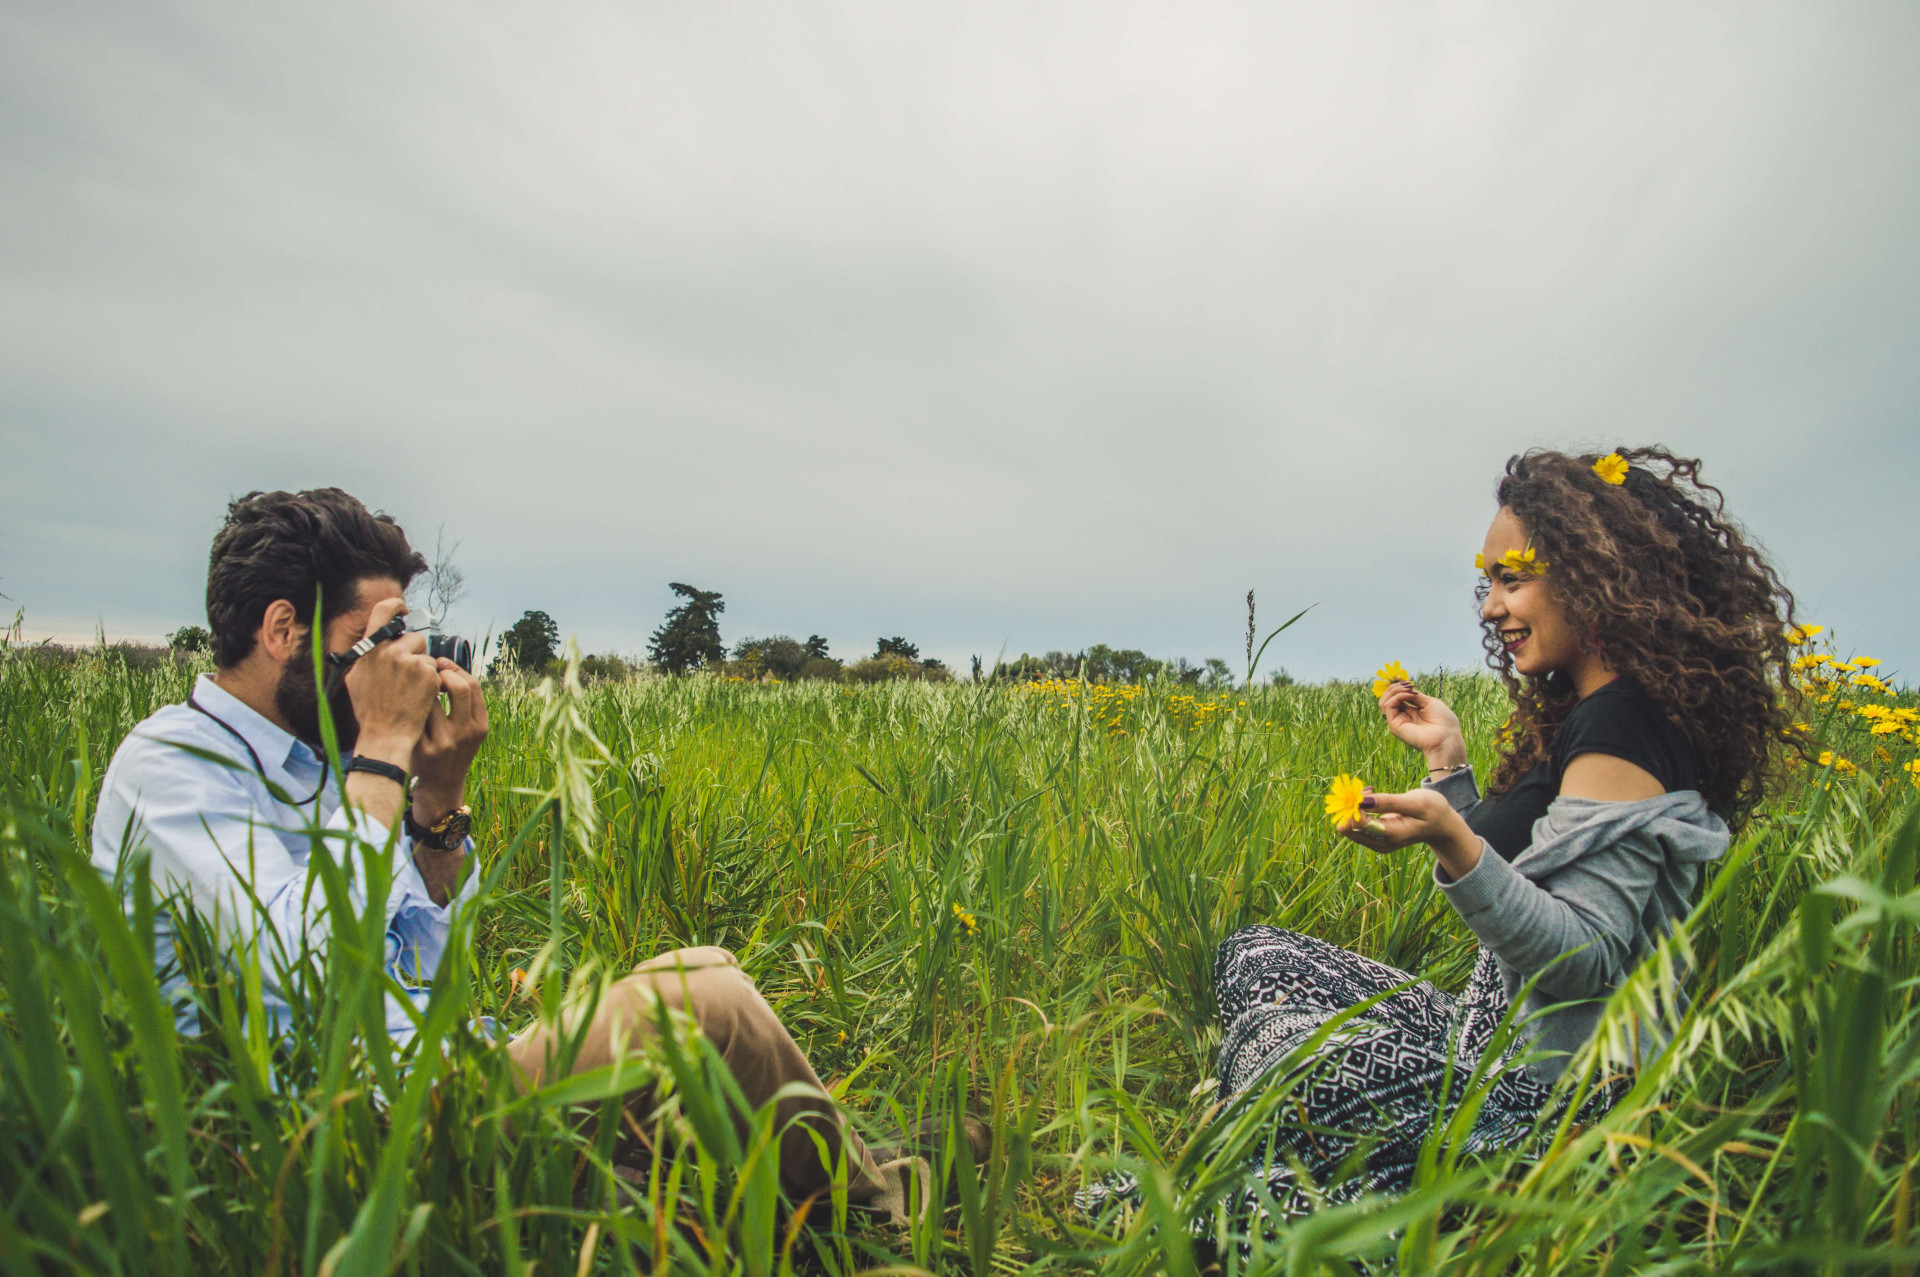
<point>1643,642</point>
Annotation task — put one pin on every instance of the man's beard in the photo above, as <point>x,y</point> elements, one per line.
<point>298,700</point>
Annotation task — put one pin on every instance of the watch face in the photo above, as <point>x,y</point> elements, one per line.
<point>454,832</point>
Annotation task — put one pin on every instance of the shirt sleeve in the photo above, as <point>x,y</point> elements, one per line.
<point>209,841</point>
<point>1459,788</point>
<point>417,928</point>
<point>1621,726</point>
<point>1575,931</point>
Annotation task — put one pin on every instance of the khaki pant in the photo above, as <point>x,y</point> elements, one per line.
<point>707,984</point>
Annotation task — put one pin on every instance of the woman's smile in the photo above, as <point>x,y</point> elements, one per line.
<point>1514,638</point>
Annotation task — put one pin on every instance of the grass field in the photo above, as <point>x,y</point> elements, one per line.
<point>996,896</point>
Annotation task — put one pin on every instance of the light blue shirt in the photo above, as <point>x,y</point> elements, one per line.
<point>219,836</point>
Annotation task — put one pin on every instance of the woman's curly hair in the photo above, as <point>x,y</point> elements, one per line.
<point>1677,598</point>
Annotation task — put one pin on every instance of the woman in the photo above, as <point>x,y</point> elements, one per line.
<point>1643,641</point>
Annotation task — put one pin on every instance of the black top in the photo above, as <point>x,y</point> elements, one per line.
<point>1616,719</point>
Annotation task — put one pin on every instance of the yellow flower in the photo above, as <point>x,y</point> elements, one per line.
<point>1611,468</point>
<point>1865,662</point>
<point>1523,561</point>
<point>1343,798</point>
<point>967,920</point>
<point>1387,675</point>
<point>1799,634</point>
<point>1479,561</point>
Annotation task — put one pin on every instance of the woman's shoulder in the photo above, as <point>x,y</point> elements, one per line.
<point>1622,720</point>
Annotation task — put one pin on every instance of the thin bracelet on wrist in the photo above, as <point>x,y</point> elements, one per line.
<point>1445,772</point>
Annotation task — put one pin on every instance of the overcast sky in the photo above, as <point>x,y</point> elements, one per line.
<point>995,326</point>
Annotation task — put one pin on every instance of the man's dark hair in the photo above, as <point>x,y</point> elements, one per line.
<point>281,545</point>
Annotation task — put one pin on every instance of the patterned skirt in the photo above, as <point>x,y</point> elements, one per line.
<point>1361,1105</point>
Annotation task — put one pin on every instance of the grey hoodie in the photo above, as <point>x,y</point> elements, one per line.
<point>1601,883</point>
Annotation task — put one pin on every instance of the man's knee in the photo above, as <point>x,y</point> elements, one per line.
<point>707,983</point>
<point>695,958</point>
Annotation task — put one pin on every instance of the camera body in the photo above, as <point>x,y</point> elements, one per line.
<point>453,647</point>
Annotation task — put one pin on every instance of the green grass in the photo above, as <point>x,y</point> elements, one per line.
<point>827,834</point>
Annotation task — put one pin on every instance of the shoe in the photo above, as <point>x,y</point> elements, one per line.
<point>929,1139</point>
<point>897,1199</point>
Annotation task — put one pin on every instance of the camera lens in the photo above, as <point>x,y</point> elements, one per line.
<point>454,648</point>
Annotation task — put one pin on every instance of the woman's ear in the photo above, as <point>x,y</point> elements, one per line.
<point>281,633</point>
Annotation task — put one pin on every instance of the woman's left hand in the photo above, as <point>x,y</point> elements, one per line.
<point>1392,821</point>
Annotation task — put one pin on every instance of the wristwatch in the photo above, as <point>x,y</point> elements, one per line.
<point>448,834</point>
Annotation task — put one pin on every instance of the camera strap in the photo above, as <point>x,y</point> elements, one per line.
<point>234,732</point>
<point>343,661</point>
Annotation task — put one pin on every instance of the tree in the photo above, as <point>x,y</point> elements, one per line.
<point>780,656</point>
<point>897,646</point>
<point>446,583</point>
<point>531,643</point>
<point>190,638</point>
<point>816,646</point>
<point>690,636</point>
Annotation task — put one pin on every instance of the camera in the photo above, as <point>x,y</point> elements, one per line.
<point>454,648</point>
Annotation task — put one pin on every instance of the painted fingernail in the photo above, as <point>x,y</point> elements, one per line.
<point>1367,803</point>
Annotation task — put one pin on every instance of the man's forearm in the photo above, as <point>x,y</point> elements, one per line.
<point>375,796</point>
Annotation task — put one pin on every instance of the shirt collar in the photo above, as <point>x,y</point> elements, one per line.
<point>276,746</point>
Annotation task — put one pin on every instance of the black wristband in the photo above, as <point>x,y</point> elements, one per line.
<point>374,767</point>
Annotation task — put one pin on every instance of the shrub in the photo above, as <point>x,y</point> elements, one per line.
<point>879,669</point>
<point>190,638</point>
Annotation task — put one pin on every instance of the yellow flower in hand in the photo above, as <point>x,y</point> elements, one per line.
<point>1386,676</point>
<point>1343,798</point>
<point>1611,468</point>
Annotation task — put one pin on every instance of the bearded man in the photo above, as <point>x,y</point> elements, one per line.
<point>225,792</point>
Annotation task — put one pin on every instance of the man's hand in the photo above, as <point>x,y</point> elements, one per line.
<point>445,751</point>
<point>1394,821</point>
<point>392,687</point>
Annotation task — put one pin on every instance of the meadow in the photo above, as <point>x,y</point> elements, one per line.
<point>1003,898</point>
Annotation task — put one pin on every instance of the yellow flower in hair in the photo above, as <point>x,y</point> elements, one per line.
<point>1611,468</point>
<point>1479,561</point>
<point>1343,799</point>
<point>1386,676</point>
<point>1523,561</point>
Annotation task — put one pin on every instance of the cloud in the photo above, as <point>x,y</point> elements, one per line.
<point>1034,326</point>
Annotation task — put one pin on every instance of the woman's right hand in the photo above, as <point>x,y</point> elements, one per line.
<point>1425,723</point>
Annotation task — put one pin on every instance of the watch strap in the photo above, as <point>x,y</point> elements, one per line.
<point>449,833</point>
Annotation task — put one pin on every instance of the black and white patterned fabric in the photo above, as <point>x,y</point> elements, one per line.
<point>1373,1088</point>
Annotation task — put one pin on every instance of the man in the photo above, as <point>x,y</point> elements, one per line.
<point>236,839</point>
